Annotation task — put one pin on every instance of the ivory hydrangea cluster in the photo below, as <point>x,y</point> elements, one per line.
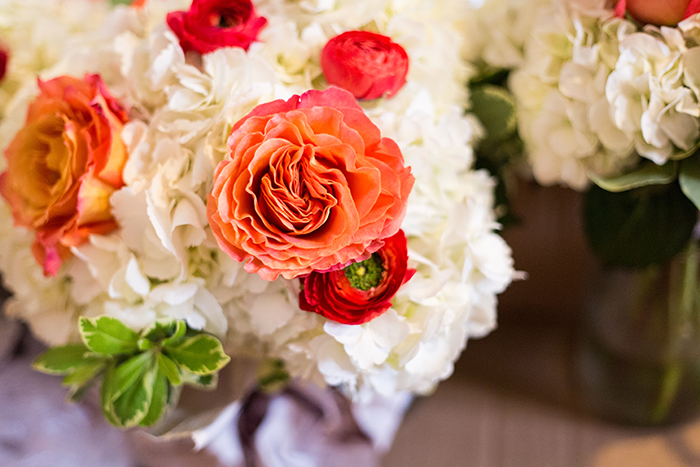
<point>597,92</point>
<point>163,260</point>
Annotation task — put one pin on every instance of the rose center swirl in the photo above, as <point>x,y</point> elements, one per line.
<point>296,196</point>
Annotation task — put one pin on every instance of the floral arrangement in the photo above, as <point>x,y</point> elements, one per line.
<point>292,182</point>
<point>607,103</point>
<point>607,99</point>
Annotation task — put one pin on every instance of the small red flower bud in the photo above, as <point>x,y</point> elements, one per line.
<point>212,24</point>
<point>368,65</point>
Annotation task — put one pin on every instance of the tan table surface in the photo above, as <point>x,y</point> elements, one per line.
<point>510,404</point>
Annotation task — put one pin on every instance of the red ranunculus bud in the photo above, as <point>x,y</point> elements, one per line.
<point>363,290</point>
<point>660,13</point>
<point>3,63</point>
<point>212,24</point>
<point>368,65</point>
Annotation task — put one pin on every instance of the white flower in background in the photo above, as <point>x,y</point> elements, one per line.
<point>647,95</point>
<point>48,38</point>
<point>596,93</point>
<point>564,115</point>
<point>497,30</point>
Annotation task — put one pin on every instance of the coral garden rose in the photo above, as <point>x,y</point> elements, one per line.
<point>368,65</point>
<point>212,24</point>
<point>660,13</point>
<point>64,164</point>
<point>361,291</point>
<point>309,184</point>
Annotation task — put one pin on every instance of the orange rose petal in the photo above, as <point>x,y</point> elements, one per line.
<point>93,200</point>
<point>333,97</point>
<point>331,122</point>
<point>286,129</point>
<point>270,108</point>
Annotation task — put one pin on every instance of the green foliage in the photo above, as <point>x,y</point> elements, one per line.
<point>494,106</point>
<point>272,375</point>
<point>140,372</point>
<point>689,179</point>
<point>646,174</point>
<point>639,227</point>
<point>108,336</point>
<point>61,360</point>
<point>201,354</point>
<point>169,369</point>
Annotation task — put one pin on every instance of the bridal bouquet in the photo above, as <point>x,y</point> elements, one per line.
<point>287,181</point>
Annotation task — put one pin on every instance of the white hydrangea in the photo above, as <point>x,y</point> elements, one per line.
<point>595,94</point>
<point>564,116</point>
<point>647,95</point>
<point>497,30</point>
<point>164,262</point>
<point>48,38</point>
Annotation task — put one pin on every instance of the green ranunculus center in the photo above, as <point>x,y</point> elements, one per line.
<point>366,274</point>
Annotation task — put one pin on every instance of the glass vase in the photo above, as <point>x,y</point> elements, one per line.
<point>638,358</point>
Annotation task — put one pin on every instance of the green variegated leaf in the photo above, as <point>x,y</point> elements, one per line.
<point>159,400</point>
<point>106,395</point>
<point>169,369</point>
<point>145,344</point>
<point>108,336</point>
<point>201,354</point>
<point>76,393</point>
<point>689,179</point>
<point>202,382</point>
<point>646,174</point>
<point>161,329</point>
<point>128,373</point>
<point>61,360</point>
<point>177,336</point>
<point>83,374</point>
<point>133,405</point>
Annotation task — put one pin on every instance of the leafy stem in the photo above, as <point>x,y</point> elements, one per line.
<point>139,371</point>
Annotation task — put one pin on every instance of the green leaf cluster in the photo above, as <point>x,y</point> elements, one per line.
<point>141,373</point>
<point>272,375</point>
<point>639,227</point>
<point>495,108</point>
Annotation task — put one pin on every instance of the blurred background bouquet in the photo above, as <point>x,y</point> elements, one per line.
<point>607,102</point>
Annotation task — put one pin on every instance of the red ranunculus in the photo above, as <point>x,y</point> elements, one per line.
<point>368,65</point>
<point>363,290</point>
<point>212,24</point>
<point>660,13</point>
<point>3,63</point>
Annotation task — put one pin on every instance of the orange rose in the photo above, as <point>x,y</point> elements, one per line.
<point>64,165</point>
<point>309,184</point>
<point>660,13</point>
